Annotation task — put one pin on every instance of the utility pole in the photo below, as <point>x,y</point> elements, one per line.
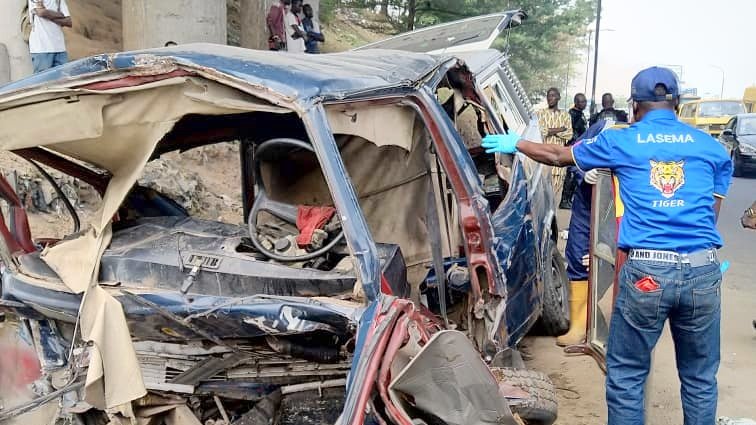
<point>587,62</point>
<point>595,57</point>
<point>721,89</point>
<point>567,82</point>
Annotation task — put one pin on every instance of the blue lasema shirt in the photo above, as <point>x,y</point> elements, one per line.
<point>669,174</point>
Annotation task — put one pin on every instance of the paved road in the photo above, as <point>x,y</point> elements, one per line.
<point>581,383</point>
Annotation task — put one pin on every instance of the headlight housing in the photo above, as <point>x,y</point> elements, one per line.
<point>704,127</point>
<point>747,148</point>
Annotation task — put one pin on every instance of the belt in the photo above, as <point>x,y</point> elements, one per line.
<point>695,259</point>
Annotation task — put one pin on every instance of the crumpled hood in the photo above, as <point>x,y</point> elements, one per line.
<point>749,139</point>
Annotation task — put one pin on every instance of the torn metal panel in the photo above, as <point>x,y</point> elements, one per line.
<point>48,344</point>
<point>207,368</point>
<point>449,380</point>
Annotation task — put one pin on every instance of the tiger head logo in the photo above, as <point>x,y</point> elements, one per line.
<point>667,176</point>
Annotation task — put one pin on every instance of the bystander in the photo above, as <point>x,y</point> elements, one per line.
<point>608,112</point>
<point>556,129</point>
<point>295,33</point>
<point>276,26</point>
<point>579,125</point>
<point>312,29</point>
<point>47,44</point>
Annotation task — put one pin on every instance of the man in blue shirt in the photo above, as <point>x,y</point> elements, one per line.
<point>672,179</point>
<point>578,245</point>
<point>312,28</point>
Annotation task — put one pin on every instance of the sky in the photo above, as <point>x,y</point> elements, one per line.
<point>692,36</point>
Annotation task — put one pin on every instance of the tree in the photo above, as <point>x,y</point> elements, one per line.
<point>384,8</point>
<point>411,10</point>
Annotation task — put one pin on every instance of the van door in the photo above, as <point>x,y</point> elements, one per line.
<point>605,260</point>
<point>465,35</point>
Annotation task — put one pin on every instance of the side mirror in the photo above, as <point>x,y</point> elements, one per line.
<point>727,132</point>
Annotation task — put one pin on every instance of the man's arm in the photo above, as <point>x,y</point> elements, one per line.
<point>316,36</point>
<point>722,180</point>
<point>64,22</point>
<point>559,156</point>
<point>298,33</point>
<point>48,14</point>
<point>597,152</point>
<point>55,16</point>
<point>545,153</point>
<point>565,134</point>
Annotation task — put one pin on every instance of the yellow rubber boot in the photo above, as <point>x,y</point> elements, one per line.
<point>578,314</point>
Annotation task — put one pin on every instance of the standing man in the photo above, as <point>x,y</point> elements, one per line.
<point>47,44</point>
<point>276,26</point>
<point>578,246</point>
<point>295,34</point>
<point>579,125</point>
<point>608,112</point>
<point>312,28</point>
<point>556,129</point>
<point>672,179</point>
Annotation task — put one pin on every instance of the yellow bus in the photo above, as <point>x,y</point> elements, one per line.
<point>710,115</point>
<point>749,99</point>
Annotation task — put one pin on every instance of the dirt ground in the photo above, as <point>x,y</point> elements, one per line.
<point>580,382</point>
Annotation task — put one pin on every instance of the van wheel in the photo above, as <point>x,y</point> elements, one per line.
<point>555,318</point>
<point>540,408</point>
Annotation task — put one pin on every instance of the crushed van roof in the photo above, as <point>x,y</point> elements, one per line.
<point>296,76</point>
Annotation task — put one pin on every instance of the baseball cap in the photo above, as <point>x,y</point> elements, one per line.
<point>654,84</point>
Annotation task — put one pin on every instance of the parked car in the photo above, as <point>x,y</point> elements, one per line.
<point>710,115</point>
<point>739,137</point>
<point>363,193</point>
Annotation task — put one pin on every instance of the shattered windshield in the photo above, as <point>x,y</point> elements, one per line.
<point>747,126</point>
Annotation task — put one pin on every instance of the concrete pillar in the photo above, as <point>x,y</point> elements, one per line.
<point>151,23</point>
<point>18,58</point>
<point>254,30</point>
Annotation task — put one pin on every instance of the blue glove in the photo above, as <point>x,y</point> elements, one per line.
<point>724,266</point>
<point>501,143</point>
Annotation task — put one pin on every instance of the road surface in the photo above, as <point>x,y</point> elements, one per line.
<point>580,382</point>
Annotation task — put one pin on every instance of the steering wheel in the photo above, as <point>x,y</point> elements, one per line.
<point>283,211</point>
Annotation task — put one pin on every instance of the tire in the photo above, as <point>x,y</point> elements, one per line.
<point>555,318</point>
<point>541,407</point>
<point>737,165</point>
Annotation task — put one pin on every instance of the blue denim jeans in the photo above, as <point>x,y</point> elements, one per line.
<point>690,298</point>
<point>45,61</point>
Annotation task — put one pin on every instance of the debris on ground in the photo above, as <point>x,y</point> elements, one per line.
<point>38,195</point>
<point>730,421</point>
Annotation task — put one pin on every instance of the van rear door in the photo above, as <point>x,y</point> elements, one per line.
<point>465,35</point>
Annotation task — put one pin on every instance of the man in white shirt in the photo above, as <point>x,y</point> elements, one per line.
<point>46,42</point>
<point>295,34</point>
